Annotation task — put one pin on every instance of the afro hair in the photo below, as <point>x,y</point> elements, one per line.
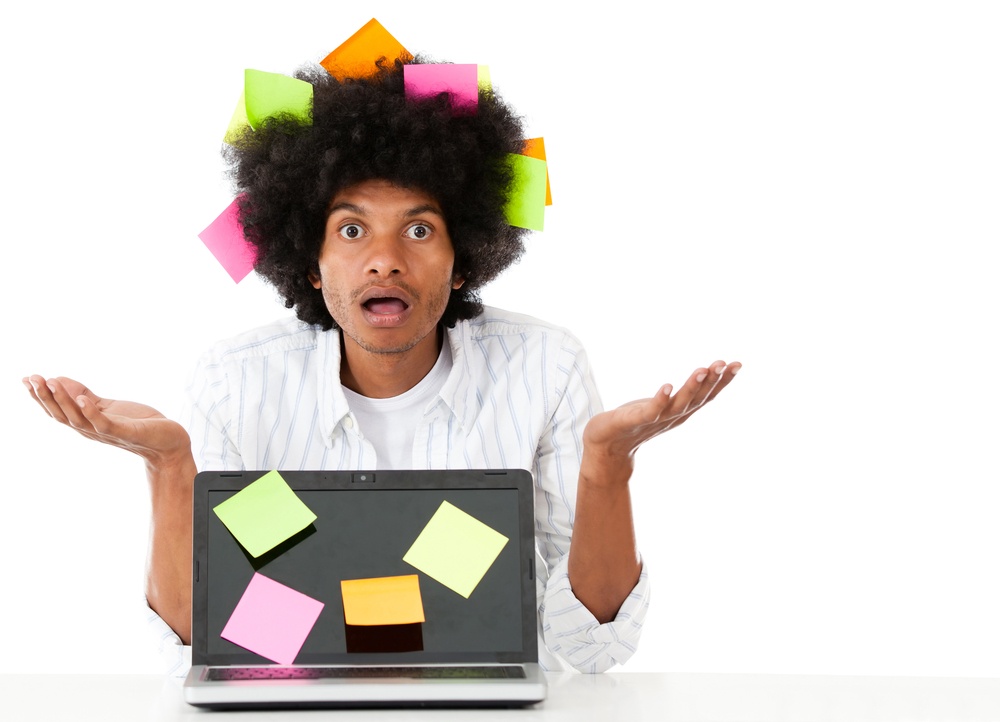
<point>287,172</point>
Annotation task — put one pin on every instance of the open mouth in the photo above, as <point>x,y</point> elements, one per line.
<point>386,306</point>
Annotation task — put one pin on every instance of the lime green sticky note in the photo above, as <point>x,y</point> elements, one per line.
<point>483,76</point>
<point>455,549</point>
<point>526,207</point>
<point>238,122</point>
<point>264,514</point>
<point>267,94</point>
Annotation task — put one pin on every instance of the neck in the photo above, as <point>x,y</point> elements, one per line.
<point>384,375</point>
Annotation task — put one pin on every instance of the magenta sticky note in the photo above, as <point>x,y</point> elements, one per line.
<point>272,620</point>
<point>224,238</point>
<point>462,81</point>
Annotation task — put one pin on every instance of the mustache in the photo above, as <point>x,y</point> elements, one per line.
<point>402,285</point>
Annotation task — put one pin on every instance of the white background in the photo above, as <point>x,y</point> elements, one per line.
<point>808,187</point>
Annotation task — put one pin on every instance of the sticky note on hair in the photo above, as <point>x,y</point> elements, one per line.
<point>269,94</point>
<point>461,82</point>
<point>382,600</point>
<point>483,78</point>
<point>356,56</point>
<point>238,122</point>
<point>535,148</point>
<point>456,549</point>
<point>272,620</point>
<point>224,238</point>
<point>526,206</point>
<point>264,513</point>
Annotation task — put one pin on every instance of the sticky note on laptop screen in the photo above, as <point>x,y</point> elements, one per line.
<point>382,600</point>
<point>264,514</point>
<point>272,620</point>
<point>455,549</point>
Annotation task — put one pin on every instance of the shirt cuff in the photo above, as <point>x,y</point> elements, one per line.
<point>175,655</point>
<point>572,632</point>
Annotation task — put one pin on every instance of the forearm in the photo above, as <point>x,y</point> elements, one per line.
<point>168,571</point>
<point>604,562</point>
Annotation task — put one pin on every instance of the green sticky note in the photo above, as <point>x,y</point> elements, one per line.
<point>239,120</point>
<point>455,549</point>
<point>264,514</point>
<point>268,94</point>
<point>526,207</point>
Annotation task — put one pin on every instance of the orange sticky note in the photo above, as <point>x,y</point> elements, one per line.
<point>382,600</point>
<point>535,148</point>
<point>356,56</point>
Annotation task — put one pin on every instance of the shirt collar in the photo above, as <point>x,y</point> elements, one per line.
<point>458,392</point>
<point>332,401</point>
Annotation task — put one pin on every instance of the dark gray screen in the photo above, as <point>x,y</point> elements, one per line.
<point>365,533</point>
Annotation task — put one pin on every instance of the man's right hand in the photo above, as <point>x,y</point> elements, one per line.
<point>166,448</point>
<point>135,427</point>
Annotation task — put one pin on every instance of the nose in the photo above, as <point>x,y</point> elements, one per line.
<point>386,255</point>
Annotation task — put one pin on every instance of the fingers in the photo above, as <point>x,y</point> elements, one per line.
<point>30,383</point>
<point>701,387</point>
<point>58,401</point>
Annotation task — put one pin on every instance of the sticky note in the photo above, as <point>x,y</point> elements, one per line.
<point>460,81</point>
<point>456,549</point>
<point>535,148</point>
<point>526,207</point>
<point>238,122</point>
<point>264,514</point>
<point>268,94</point>
<point>224,238</point>
<point>272,620</point>
<point>382,600</point>
<point>356,56</point>
<point>483,78</point>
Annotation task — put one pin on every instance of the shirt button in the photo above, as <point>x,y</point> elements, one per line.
<point>349,422</point>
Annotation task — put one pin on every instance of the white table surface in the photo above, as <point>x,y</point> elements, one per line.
<point>580,698</point>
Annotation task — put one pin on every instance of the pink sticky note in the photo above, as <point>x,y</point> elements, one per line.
<point>224,238</point>
<point>462,81</point>
<point>272,620</point>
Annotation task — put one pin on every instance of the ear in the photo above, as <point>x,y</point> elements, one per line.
<point>315,280</point>
<point>457,281</point>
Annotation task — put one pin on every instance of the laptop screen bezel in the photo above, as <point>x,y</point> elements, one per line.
<point>517,479</point>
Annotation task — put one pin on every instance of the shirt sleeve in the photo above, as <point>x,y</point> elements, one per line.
<point>575,635</point>
<point>208,417</point>
<point>568,628</point>
<point>174,654</point>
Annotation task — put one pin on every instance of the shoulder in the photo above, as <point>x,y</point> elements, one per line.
<point>498,336</point>
<point>495,324</point>
<point>281,336</point>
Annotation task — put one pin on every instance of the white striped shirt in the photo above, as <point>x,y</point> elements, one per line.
<point>518,396</point>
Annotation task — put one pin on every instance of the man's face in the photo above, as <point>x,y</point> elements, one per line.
<point>386,267</point>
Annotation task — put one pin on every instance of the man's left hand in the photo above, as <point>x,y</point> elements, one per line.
<point>619,432</point>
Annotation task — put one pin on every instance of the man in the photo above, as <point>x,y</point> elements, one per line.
<point>378,220</point>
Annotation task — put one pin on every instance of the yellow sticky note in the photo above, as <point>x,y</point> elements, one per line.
<point>483,76</point>
<point>356,56</point>
<point>456,549</point>
<point>382,600</point>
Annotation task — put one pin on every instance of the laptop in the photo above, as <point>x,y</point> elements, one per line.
<point>364,589</point>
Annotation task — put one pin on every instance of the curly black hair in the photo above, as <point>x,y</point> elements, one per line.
<point>287,172</point>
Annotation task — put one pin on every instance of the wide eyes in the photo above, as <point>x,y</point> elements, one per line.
<point>418,232</point>
<point>353,231</point>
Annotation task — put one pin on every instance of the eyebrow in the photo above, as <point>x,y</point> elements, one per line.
<point>408,213</point>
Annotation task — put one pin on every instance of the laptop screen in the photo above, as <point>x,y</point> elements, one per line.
<point>467,539</point>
